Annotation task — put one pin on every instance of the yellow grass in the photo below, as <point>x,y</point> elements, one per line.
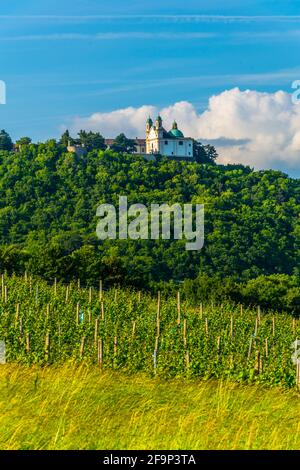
<point>80,408</point>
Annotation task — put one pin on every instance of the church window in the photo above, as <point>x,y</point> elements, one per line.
<point>166,142</point>
<point>180,142</point>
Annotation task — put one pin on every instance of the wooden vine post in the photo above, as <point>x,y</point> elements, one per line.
<point>258,314</point>
<point>187,354</point>
<point>36,294</point>
<point>96,332</point>
<point>82,347</point>
<point>155,354</point>
<point>115,351</point>
<point>158,314</point>
<point>250,349</point>
<point>296,361</point>
<point>298,375</point>
<point>206,326</point>
<point>218,347</point>
<point>77,314</point>
<point>2,285</point>
<point>47,347</point>
<point>27,343</point>
<point>17,314</point>
<point>100,290</point>
<point>256,326</point>
<point>258,362</point>
<point>178,308</point>
<point>67,293</point>
<point>100,353</point>
<point>133,328</point>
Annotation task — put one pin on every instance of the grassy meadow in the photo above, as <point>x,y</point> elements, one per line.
<point>79,407</point>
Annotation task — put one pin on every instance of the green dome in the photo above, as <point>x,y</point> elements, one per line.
<point>176,133</point>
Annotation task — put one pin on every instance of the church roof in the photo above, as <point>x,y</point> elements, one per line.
<point>175,132</point>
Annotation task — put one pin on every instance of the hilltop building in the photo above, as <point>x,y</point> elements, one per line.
<point>140,144</point>
<point>170,144</point>
<point>79,149</point>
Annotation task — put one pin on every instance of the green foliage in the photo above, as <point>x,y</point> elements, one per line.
<point>204,153</point>
<point>44,324</point>
<point>66,139</point>
<point>91,140</point>
<point>122,144</point>
<point>278,291</point>
<point>48,202</point>
<point>23,141</point>
<point>5,141</point>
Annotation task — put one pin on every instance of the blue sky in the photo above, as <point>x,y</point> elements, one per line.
<point>75,58</point>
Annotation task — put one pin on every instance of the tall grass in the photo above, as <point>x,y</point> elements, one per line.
<point>77,407</point>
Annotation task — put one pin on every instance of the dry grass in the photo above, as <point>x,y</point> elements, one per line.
<point>80,408</point>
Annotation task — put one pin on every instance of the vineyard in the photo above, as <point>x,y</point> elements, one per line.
<point>130,330</point>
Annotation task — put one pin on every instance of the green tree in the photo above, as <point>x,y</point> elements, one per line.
<point>211,153</point>
<point>23,141</point>
<point>66,139</point>
<point>91,140</point>
<point>122,144</point>
<point>204,153</point>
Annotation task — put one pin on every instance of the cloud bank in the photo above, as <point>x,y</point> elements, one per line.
<point>254,128</point>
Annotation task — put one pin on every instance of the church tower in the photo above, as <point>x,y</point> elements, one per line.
<point>158,123</point>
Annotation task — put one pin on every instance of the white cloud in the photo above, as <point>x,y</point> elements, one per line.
<point>130,120</point>
<point>249,127</point>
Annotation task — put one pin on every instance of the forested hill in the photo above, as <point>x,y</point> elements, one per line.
<point>48,201</point>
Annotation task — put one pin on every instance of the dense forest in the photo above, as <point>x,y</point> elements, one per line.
<point>48,202</point>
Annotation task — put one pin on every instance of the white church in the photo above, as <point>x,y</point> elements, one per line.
<point>170,144</point>
<point>158,141</point>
